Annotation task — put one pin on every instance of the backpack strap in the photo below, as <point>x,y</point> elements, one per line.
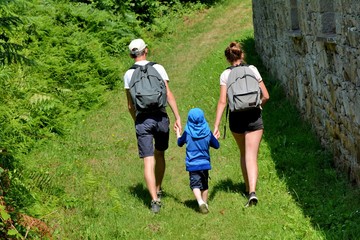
<point>135,66</point>
<point>151,63</point>
<point>239,65</point>
<point>226,117</point>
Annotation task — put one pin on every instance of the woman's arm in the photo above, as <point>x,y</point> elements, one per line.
<point>264,93</point>
<point>220,109</point>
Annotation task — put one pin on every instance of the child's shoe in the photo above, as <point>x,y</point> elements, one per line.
<point>203,208</point>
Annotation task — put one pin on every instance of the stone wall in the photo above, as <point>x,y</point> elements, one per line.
<point>313,48</point>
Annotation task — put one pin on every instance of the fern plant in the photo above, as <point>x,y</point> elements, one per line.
<point>9,50</point>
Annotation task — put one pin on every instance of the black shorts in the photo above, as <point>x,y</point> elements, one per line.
<point>246,121</point>
<point>152,127</point>
<point>199,179</point>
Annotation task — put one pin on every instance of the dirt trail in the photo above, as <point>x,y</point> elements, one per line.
<point>215,29</point>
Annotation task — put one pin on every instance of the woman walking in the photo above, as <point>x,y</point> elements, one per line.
<point>246,126</point>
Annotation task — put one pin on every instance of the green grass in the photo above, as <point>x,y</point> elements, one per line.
<point>95,187</point>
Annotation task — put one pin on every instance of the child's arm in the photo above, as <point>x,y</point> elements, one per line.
<point>181,139</point>
<point>214,142</point>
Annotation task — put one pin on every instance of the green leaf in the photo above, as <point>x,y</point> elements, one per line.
<point>4,215</point>
<point>12,232</point>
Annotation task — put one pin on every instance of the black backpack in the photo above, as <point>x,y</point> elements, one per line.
<point>147,89</point>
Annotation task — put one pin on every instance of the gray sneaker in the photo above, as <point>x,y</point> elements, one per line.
<point>252,201</point>
<point>155,206</point>
<point>203,208</point>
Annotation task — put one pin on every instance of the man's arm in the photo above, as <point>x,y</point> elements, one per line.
<point>172,102</point>
<point>130,104</point>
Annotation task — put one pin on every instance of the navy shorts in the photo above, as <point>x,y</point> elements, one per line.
<point>199,179</point>
<point>150,128</point>
<point>246,121</point>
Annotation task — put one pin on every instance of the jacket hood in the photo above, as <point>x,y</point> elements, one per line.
<point>196,124</point>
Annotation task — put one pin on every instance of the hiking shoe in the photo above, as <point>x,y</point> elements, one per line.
<point>155,206</point>
<point>253,200</point>
<point>160,194</point>
<point>203,208</point>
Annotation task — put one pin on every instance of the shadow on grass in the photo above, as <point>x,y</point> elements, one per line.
<point>227,185</point>
<point>192,204</point>
<point>140,192</point>
<point>324,194</point>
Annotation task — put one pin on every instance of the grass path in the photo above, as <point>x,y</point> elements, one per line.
<point>97,177</point>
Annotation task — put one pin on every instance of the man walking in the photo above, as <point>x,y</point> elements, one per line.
<point>152,127</point>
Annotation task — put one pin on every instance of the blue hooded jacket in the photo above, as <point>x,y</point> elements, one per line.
<point>198,139</point>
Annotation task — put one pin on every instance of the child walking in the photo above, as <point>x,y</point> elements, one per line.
<point>198,139</point>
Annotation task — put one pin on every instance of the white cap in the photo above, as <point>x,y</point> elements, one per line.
<point>137,45</point>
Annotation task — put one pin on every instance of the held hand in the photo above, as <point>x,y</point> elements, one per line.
<point>177,131</point>
<point>216,132</point>
<point>177,125</point>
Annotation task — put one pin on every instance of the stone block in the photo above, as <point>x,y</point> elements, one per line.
<point>353,36</point>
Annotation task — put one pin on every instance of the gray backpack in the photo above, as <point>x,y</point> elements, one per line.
<point>147,89</point>
<point>243,89</point>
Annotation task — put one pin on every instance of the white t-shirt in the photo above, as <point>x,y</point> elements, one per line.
<point>129,73</point>
<point>225,75</point>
